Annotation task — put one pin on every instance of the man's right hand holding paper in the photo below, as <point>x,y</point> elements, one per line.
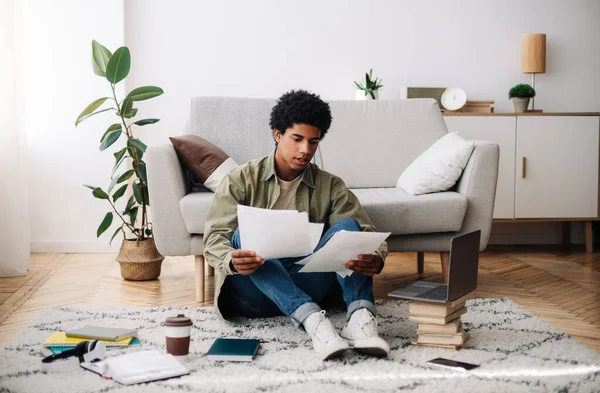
<point>245,261</point>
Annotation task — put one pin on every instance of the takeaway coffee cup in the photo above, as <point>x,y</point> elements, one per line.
<point>177,334</point>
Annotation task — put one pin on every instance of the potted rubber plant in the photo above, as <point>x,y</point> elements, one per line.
<point>520,96</point>
<point>138,256</point>
<point>369,90</point>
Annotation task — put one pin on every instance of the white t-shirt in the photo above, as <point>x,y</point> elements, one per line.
<point>287,196</point>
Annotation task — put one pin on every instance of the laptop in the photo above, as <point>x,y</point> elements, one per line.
<point>462,274</point>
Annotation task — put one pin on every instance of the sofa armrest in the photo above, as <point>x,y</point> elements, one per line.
<point>478,183</point>
<point>166,187</point>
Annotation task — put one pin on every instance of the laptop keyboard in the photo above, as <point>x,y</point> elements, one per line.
<point>438,293</point>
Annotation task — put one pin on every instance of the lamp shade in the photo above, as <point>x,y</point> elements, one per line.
<point>534,54</point>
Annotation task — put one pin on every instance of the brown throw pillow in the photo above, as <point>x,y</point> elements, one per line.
<point>208,163</point>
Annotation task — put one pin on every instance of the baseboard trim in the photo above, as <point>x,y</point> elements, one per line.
<point>75,247</point>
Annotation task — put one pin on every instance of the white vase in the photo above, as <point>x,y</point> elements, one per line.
<point>360,95</point>
<point>520,104</point>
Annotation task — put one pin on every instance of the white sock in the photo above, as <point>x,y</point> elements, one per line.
<point>311,321</point>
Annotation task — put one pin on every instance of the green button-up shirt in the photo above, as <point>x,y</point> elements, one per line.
<point>322,195</point>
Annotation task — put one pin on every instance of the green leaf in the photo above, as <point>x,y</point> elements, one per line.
<point>126,106</point>
<point>125,176</point>
<point>100,57</point>
<point>90,187</point>
<point>148,232</point>
<point>137,144</point>
<point>115,234</point>
<point>105,224</point>
<point>142,171</point>
<point>137,192</point>
<point>145,122</point>
<point>119,193</point>
<point>113,127</point>
<point>118,65</point>
<point>139,153</point>
<point>133,215</point>
<point>144,93</point>
<point>88,111</point>
<point>99,193</point>
<point>119,157</point>
<point>130,114</point>
<point>110,139</point>
<point>129,205</point>
<point>112,185</point>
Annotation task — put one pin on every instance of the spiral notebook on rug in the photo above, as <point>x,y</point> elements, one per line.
<point>138,367</point>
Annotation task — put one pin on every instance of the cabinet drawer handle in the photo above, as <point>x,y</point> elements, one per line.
<point>523,167</point>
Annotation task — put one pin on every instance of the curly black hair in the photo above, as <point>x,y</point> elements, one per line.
<point>300,107</point>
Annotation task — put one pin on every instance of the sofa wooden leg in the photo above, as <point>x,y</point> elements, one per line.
<point>445,258</point>
<point>589,237</point>
<point>420,263</point>
<point>199,260</point>
<point>209,271</point>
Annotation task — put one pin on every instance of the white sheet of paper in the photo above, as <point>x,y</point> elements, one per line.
<point>342,247</point>
<point>275,233</point>
<point>315,233</point>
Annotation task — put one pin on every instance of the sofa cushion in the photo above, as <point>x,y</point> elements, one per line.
<point>207,162</point>
<point>393,210</point>
<point>194,208</point>
<point>439,167</point>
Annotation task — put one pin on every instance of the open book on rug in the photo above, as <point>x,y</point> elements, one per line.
<point>138,367</point>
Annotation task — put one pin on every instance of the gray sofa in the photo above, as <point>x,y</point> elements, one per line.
<point>369,144</point>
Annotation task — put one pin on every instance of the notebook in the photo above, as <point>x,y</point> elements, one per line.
<point>102,333</point>
<point>57,350</point>
<point>138,367</point>
<point>233,349</point>
<point>60,339</point>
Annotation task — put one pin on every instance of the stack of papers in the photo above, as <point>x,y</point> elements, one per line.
<point>297,237</point>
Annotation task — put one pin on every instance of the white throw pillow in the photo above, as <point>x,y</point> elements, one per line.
<point>438,168</point>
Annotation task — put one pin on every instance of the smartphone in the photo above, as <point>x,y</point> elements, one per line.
<point>453,364</point>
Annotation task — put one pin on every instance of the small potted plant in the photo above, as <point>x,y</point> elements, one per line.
<point>370,89</point>
<point>138,256</point>
<point>520,95</point>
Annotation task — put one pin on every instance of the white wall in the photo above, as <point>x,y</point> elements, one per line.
<point>58,84</point>
<point>262,48</point>
<point>14,198</point>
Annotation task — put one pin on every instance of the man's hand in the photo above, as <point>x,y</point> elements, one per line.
<point>366,264</point>
<point>246,262</point>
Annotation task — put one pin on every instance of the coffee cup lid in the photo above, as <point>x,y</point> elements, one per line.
<point>179,320</point>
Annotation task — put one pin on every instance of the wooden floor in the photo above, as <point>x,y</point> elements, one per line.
<point>560,286</point>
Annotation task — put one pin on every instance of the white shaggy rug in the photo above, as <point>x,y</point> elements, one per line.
<point>517,352</point>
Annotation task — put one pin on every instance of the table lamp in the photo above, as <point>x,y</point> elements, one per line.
<point>534,58</point>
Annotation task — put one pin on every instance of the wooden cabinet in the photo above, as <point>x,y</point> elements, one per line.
<point>557,167</point>
<point>549,164</point>
<point>501,130</point>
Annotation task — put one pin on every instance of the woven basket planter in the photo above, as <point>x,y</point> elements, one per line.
<point>139,260</point>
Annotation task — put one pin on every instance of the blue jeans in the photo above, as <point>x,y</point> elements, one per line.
<point>277,288</point>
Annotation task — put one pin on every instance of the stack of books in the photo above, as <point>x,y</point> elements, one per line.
<point>438,324</point>
<point>59,342</point>
<point>478,106</point>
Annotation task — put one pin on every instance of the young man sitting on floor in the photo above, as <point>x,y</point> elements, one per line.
<point>253,287</point>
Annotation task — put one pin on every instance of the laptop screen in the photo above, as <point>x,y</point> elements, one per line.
<point>464,263</point>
